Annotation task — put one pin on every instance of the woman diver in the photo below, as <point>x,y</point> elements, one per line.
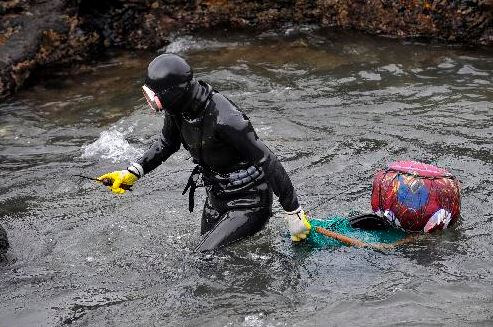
<point>239,172</point>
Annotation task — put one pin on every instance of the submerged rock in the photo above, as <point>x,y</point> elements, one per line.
<point>4,244</point>
<point>39,33</point>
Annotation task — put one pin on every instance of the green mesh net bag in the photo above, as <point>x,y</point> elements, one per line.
<point>343,226</point>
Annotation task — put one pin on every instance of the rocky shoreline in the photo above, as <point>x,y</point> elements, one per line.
<point>35,33</point>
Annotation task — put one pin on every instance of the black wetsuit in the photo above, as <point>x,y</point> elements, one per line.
<point>239,171</point>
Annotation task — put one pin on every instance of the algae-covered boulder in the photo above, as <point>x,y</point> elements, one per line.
<point>36,34</point>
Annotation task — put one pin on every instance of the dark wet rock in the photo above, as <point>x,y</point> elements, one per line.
<point>458,21</point>
<point>4,244</point>
<point>40,33</point>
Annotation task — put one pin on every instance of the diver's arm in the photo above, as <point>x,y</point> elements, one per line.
<point>236,129</point>
<point>168,143</point>
<point>162,149</point>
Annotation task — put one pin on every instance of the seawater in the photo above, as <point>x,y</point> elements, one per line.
<point>335,108</point>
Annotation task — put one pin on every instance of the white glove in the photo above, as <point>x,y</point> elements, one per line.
<point>298,224</point>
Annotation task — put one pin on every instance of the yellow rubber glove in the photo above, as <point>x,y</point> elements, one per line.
<point>298,224</point>
<point>119,178</point>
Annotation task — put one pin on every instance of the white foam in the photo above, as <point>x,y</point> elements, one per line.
<point>470,70</point>
<point>254,320</point>
<point>394,69</point>
<point>370,76</point>
<point>345,80</point>
<point>447,63</point>
<point>179,45</point>
<point>186,43</point>
<point>112,145</point>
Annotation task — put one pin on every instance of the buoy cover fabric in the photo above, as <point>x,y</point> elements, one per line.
<point>415,196</point>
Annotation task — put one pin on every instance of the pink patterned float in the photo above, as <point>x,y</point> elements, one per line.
<point>416,197</point>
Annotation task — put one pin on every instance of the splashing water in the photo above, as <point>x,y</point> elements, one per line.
<point>187,43</point>
<point>112,145</point>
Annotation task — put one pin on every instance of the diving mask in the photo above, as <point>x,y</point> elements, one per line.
<point>152,99</point>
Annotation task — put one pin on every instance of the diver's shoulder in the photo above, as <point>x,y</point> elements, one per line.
<point>227,113</point>
<point>223,105</point>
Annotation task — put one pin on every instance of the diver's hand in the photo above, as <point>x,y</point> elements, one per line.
<point>298,224</point>
<point>122,180</point>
